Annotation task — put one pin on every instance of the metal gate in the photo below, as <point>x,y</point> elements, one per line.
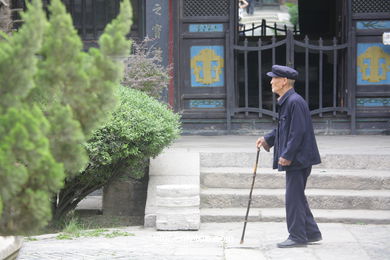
<point>323,76</point>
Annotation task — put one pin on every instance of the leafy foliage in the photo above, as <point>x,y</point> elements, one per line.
<point>144,70</point>
<point>139,129</point>
<point>293,12</point>
<point>18,59</point>
<point>76,89</point>
<point>29,173</point>
<point>51,103</point>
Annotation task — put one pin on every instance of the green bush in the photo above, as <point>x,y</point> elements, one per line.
<point>140,128</point>
<point>53,95</point>
<point>75,89</point>
<point>293,12</point>
<point>28,172</point>
<point>144,69</point>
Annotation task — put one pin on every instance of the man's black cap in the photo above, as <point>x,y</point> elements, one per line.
<point>279,71</point>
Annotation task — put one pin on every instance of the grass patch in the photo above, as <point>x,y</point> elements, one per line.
<point>360,223</point>
<point>30,239</point>
<point>76,225</point>
<point>117,233</point>
<point>104,221</point>
<point>75,229</point>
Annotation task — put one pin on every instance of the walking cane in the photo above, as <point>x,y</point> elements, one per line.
<point>250,195</point>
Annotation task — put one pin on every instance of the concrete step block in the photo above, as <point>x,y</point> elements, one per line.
<point>178,219</point>
<point>154,182</point>
<point>279,215</point>
<point>10,246</point>
<point>175,190</point>
<point>177,207</point>
<point>177,196</point>
<point>241,178</point>
<point>178,202</point>
<point>317,198</point>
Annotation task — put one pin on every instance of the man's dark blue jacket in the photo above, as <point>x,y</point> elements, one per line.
<point>294,138</point>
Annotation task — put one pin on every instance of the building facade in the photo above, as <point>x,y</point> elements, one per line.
<point>220,56</point>
<point>337,46</point>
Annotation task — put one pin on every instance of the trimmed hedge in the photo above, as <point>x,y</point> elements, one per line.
<point>140,128</point>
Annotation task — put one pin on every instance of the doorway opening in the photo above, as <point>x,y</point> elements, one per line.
<point>305,34</point>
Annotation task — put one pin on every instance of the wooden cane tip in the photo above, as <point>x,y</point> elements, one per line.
<point>242,241</point>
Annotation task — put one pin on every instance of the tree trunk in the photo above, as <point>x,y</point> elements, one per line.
<point>5,16</point>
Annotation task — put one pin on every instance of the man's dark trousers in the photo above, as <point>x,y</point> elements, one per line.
<point>300,222</point>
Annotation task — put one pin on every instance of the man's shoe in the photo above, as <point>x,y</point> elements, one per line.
<point>291,243</point>
<point>314,239</point>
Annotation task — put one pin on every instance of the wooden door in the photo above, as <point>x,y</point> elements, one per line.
<point>201,56</point>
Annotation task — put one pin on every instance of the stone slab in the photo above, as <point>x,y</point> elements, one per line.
<point>172,167</point>
<point>9,245</point>
<point>178,202</point>
<point>154,181</point>
<point>238,178</point>
<point>176,220</point>
<point>279,215</point>
<point>91,203</point>
<point>234,254</point>
<point>181,190</point>
<point>174,162</point>
<point>177,207</point>
<point>331,160</point>
<point>317,198</point>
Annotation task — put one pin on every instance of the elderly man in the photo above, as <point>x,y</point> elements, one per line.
<point>295,151</point>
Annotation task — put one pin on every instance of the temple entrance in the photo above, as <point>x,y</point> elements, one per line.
<point>307,35</point>
<point>224,52</point>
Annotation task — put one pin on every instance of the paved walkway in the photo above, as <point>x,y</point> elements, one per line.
<point>217,241</point>
<point>221,240</point>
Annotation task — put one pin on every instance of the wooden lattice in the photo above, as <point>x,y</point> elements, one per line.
<point>206,8</point>
<point>371,6</point>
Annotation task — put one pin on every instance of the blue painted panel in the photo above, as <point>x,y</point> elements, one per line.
<point>373,102</point>
<point>372,25</point>
<point>207,66</point>
<point>373,64</point>
<point>207,103</point>
<point>215,27</point>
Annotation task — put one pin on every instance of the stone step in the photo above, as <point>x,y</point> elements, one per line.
<point>90,205</point>
<point>317,198</point>
<point>278,215</point>
<point>329,161</point>
<point>241,178</point>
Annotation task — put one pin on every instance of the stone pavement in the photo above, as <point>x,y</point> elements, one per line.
<point>221,240</point>
<point>217,241</point>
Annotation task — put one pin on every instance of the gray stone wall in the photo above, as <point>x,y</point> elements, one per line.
<point>125,197</point>
<point>157,27</point>
<point>157,24</point>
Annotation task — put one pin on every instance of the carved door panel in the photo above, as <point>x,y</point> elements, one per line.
<point>372,68</point>
<point>203,27</point>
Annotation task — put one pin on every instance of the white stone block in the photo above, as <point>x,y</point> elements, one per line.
<point>178,202</point>
<point>177,207</point>
<point>177,190</point>
<point>175,162</point>
<point>178,220</point>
